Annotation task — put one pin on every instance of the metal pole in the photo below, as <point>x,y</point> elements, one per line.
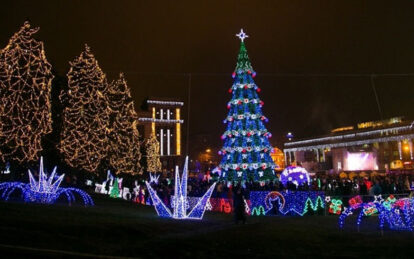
<point>188,115</point>
<point>376,95</point>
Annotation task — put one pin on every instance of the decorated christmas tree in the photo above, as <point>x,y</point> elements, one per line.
<point>152,147</point>
<point>246,150</point>
<point>124,147</point>
<point>25,91</point>
<point>84,141</point>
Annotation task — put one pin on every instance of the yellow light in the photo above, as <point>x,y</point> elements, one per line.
<point>178,131</point>
<point>124,149</point>
<point>342,129</point>
<point>406,148</point>
<point>153,155</point>
<point>208,150</point>
<point>153,123</point>
<point>89,136</point>
<point>25,93</point>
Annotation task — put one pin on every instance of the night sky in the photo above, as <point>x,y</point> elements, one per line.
<point>313,58</point>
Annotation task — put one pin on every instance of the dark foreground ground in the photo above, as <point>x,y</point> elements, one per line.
<point>116,228</point>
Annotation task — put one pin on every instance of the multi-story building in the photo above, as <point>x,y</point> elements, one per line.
<point>279,159</point>
<point>369,146</point>
<point>163,119</point>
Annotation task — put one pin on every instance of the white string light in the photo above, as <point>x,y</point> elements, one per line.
<point>165,103</point>
<point>160,120</point>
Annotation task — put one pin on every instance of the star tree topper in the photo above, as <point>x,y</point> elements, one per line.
<point>242,35</point>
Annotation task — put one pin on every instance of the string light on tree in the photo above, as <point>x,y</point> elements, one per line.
<point>84,141</point>
<point>25,92</point>
<point>153,154</point>
<point>123,137</point>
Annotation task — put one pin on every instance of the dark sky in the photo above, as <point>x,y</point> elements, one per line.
<point>156,43</point>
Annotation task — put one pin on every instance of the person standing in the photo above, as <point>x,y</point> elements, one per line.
<point>239,206</point>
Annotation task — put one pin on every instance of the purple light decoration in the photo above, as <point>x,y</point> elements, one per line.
<point>296,175</point>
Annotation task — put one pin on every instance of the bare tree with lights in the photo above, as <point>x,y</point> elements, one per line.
<point>25,92</point>
<point>84,136</point>
<point>124,147</point>
<point>152,147</point>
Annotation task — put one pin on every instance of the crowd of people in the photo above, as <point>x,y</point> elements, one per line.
<point>197,185</point>
<point>331,185</point>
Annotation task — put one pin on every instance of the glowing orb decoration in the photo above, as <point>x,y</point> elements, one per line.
<point>44,190</point>
<point>181,209</point>
<point>296,175</point>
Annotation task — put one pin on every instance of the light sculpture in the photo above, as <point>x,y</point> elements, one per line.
<point>180,202</point>
<point>296,175</point>
<point>45,190</point>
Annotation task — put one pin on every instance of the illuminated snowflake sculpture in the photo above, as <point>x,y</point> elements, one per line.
<point>180,205</point>
<point>46,190</point>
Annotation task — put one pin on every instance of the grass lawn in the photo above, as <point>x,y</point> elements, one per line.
<point>117,228</point>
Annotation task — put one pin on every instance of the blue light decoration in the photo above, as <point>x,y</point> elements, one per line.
<point>397,214</point>
<point>296,175</point>
<point>181,207</point>
<point>287,202</point>
<point>46,190</point>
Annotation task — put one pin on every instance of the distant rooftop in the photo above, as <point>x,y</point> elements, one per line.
<point>393,129</point>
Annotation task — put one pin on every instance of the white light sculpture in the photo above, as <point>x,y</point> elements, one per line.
<point>180,207</point>
<point>154,178</point>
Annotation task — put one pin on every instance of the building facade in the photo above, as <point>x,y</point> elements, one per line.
<point>163,118</point>
<point>369,146</point>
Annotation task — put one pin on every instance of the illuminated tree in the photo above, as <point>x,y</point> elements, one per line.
<point>25,91</point>
<point>246,150</point>
<point>84,141</point>
<point>124,147</point>
<point>115,189</point>
<point>153,154</point>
